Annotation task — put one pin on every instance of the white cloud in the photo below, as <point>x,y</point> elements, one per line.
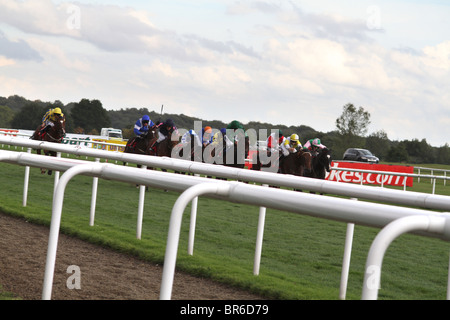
<point>6,62</point>
<point>438,56</point>
<point>159,68</point>
<point>259,60</point>
<point>110,28</point>
<point>54,54</point>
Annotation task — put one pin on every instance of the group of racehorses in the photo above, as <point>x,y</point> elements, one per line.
<point>301,163</point>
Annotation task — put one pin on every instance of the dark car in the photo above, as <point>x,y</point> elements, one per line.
<point>362,155</point>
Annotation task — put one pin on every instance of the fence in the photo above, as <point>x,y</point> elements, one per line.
<point>321,186</point>
<point>97,142</point>
<point>431,170</point>
<point>329,208</point>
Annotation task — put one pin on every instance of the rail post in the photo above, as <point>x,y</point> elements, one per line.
<point>435,224</point>
<point>259,238</point>
<point>346,259</point>
<point>175,228</point>
<point>56,222</point>
<point>93,197</point>
<point>26,183</point>
<point>140,208</point>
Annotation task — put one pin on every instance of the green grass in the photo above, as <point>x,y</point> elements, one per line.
<point>4,295</point>
<point>301,255</point>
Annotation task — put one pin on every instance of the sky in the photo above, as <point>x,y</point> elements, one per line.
<point>289,62</point>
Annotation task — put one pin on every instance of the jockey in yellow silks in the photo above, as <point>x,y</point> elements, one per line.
<point>291,145</point>
<point>50,117</point>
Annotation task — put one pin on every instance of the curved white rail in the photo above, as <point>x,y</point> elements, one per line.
<point>438,225</point>
<point>344,210</point>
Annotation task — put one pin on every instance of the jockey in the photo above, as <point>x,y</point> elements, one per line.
<point>218,136</point>
<point>313,145</point>
<point>221,137</point>
<point>186,138</point>
<point>142,126</point>
<point>207,136</point>
<point>50,117</point>
<point>291,145</point>
<point>166,129</point>
<point>272,144</point>
<point>235,125</point>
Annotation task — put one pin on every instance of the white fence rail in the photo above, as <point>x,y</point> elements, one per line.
<point>423,200</point>
<point>445,171</point>
<point>330,208</point>
<point>89,142</point>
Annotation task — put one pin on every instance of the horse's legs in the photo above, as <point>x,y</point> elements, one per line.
<point>43,170</point>
<point>51,154</point>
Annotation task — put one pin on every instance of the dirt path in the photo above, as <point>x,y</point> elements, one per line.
<point>105,274</point>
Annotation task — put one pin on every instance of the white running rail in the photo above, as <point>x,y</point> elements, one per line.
<point>363,213</point>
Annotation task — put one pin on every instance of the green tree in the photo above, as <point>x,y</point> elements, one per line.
<point>352,125</point>
<point>397,153</point>
<point>378,144</point>
<point>29,117</point>
<point>14,102</point>
<point>90,115</point>
<point>6,116</point>
<point>353,122</point>
<point>443,154</point>
<point>420,151</point>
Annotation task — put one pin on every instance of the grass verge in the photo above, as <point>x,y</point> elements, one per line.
<point>301,257</point>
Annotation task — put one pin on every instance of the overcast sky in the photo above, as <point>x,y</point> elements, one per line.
<point>283,62</point>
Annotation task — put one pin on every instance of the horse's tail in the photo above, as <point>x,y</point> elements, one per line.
<point>37,136</point>
<point>127,146</point>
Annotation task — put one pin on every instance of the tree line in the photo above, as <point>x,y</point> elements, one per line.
<point>89,116</point>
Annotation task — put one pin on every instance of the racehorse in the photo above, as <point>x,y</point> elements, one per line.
<point>238,156</point>
<point>142,145</point>
<point>321,163</point>
<point>257,165</point>
<point>165,147</point>
<point>298,163</point>
<point>54,134</point>
<point>192,146</point>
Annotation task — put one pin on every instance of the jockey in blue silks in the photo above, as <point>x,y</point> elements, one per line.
<point>207,136</point>
<point>142,125</point>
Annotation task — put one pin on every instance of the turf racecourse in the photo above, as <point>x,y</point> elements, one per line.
<point>301,256</point>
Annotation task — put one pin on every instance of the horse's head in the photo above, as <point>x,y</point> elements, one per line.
<point>325,158</point>
<point>304,161</point>
<point>152,133</point>
<point>57,132</point>
<point>62,126</point>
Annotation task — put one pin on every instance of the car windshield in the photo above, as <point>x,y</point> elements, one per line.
<point>115,135</point>
<point>365,152</point>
